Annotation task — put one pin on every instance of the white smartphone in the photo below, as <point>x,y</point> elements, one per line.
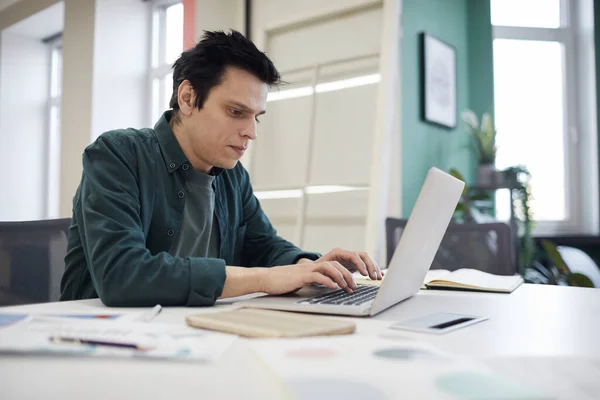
<point>438,323</point>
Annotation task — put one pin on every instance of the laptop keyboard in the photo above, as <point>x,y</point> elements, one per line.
<point>362,294</point>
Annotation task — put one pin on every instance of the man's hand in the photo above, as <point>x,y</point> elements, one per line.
<point>354,261</point>
<point>288,278</point>
<point>333,270</point>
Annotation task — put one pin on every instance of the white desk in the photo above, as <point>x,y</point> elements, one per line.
<point>534,320</point>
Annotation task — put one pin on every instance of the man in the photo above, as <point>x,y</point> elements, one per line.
<point>167,215</point>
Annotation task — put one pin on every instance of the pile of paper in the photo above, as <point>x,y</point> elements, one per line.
<point>66,336</point>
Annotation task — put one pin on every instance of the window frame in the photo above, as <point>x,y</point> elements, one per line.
<point>52,206</point>
<point>565,34</point>
<point>162,69</point>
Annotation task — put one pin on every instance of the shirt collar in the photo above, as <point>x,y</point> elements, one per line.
<point>173,156</point>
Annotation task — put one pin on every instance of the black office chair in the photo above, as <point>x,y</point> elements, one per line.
<point>485,247</point>
<point>32,260</point>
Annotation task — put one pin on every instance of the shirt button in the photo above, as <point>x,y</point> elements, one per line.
<point>180,194</point>
<point>172,165</point>
<point>170,232</point>
<point>185,167</point>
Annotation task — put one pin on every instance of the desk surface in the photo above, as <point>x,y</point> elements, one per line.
<point>534,320</point>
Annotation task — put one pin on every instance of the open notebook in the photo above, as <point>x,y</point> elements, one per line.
<point>462,279</point>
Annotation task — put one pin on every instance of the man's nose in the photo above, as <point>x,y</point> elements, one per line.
<point>250,130</point>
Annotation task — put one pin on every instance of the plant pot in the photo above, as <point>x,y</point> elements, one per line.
<point>486,174</point>
<point>500,179</point>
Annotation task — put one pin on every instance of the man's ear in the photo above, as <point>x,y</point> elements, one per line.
<point>186,97</point>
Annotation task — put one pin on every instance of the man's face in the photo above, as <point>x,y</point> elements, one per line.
<point>219,133</point>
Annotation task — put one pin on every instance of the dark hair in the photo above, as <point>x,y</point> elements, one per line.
<point>205,63</point>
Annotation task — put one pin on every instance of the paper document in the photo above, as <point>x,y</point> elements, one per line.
<point>111,338</point>
<point>375,368</point>
<point>9,319</point>
<point>568,378</point>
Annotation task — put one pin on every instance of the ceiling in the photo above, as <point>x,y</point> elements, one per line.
<point>7,3</point>
<point>47,22</point>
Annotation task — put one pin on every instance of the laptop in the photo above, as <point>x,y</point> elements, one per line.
<point>412,259</point>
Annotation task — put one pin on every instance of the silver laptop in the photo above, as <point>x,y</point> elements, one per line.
<point>412,258</point>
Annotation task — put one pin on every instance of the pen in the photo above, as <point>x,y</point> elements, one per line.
<point>57,339</point>
<point>149,316</point>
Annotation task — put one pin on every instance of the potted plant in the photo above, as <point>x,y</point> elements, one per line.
<point>518,179</point>
<point>484,144</point>
<point>466,210</point>
<point>555,271</point>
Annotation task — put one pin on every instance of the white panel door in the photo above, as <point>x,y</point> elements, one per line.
<point>312,164</point>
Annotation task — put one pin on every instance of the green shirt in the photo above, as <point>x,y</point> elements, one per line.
<point>198,235</point>
<point>128,209</point>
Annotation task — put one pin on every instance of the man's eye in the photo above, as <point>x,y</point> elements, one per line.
<point>235,113</point>
<point>256,119</point>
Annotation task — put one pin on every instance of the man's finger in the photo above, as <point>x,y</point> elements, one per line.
<point>347,257</point>
<point>355,259</point>
<point>374,272</point>
<point>317,277</point>
<point>328,269</point>
<point>346,273</point>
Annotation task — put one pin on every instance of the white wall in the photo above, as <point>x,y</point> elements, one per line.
<point>121,59</point>
<point>219,14</point>
<point>272,14</point>
<point>24,70</point>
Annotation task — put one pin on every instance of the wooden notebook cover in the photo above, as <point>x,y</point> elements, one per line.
<point>258,323</point>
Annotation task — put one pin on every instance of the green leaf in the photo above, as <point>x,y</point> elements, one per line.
<point>580,280</point>
<point>454,172</point>
<point>555,256</point>
<point>542,270</point>
<point>480,196</point>
<point>533,276</point>
<point>490,130</point>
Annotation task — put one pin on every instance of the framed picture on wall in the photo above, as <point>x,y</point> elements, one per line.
<point>438,82</point>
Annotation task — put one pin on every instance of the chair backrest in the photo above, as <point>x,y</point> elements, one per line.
<point>485,247</point>
<point>32,260</point>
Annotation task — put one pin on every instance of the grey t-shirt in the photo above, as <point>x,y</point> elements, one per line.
<point>199,232</point>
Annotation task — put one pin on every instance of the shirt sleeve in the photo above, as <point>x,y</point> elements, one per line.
<point>262,246</point>
<point>123,271</point>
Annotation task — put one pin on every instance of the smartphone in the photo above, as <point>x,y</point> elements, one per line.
<point>438,323</point>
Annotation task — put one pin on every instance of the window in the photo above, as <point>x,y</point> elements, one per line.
<point>53,133</point>
<point>167,45</point>
<point>535,92</point>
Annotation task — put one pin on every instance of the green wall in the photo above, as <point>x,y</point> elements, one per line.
<point>465,24</point>
<point>597,54</point>
<point>480,54</point>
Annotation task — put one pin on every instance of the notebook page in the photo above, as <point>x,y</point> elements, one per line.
<point>477,278</point>
<point>434,274</point>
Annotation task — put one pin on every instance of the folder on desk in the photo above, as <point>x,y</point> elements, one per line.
<point>463,279</point>
<point>250,322</point>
